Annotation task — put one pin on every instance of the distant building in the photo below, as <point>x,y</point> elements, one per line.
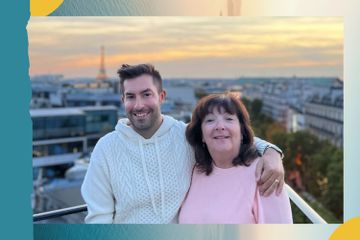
<point>46,91</point>
<point>71,131</point>
<point>83,98</point>
<point>324,114</point>
<point>303,104</point>
<point>295,119</point>
<point>276,98</point>
<point>62,140</point>
<point>181,94</point>
<point>284,98</point>
<point>50,78</point>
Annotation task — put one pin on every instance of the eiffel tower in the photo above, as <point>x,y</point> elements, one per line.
<point>101,77</point>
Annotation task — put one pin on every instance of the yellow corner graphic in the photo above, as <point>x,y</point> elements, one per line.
<point>348,230</point>
<point>43,7</point>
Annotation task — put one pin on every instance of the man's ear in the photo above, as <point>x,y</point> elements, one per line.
<point>122,98</point>
<point>162,96</point>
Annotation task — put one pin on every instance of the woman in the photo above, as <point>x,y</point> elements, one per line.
<point>223,188</point>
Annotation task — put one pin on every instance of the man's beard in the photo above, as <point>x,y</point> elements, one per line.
<point>143,125</point>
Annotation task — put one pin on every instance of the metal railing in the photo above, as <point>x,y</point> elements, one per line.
<point>59,213</point>
<point>310,213</point>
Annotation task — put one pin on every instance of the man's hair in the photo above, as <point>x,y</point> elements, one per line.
<point>127,72</point>
<point>231,104</point>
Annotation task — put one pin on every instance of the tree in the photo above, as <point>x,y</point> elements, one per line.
<point>319,163</point>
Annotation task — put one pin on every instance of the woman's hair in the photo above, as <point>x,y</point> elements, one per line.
<point>231,104</point>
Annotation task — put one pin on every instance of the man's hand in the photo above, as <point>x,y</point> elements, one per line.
<point>270,173</point>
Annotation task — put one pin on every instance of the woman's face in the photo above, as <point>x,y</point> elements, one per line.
<point>221,133</point>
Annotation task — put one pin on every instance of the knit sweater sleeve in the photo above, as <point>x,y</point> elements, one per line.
<point>96,188</point>
<point>262,145</point>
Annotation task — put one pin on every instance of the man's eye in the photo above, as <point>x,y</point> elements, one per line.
<point>129,97</point>
<point>147,94</point>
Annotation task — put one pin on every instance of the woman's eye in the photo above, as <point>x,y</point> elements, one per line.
<point>209,120</point>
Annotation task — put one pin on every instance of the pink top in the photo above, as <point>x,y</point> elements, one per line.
<point>231,196</point>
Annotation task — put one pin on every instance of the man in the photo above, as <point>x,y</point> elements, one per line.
<point>140,173</point>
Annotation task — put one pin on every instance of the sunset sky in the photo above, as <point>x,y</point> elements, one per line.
<point>188,46</point>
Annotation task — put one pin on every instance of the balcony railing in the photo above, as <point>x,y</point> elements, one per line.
<point>310,213</point>
<point>59,213</point>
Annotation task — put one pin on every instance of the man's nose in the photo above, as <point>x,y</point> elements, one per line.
<point>139,104</point>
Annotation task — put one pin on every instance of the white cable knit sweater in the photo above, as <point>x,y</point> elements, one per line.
<point>135,180</point>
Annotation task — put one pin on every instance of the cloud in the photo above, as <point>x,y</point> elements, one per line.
<point>71,45</point>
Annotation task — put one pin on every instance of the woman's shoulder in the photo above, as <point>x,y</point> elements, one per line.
<point>249,170</point>
<point>254,162</point>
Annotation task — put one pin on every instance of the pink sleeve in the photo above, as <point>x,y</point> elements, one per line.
<point>272,209</point>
